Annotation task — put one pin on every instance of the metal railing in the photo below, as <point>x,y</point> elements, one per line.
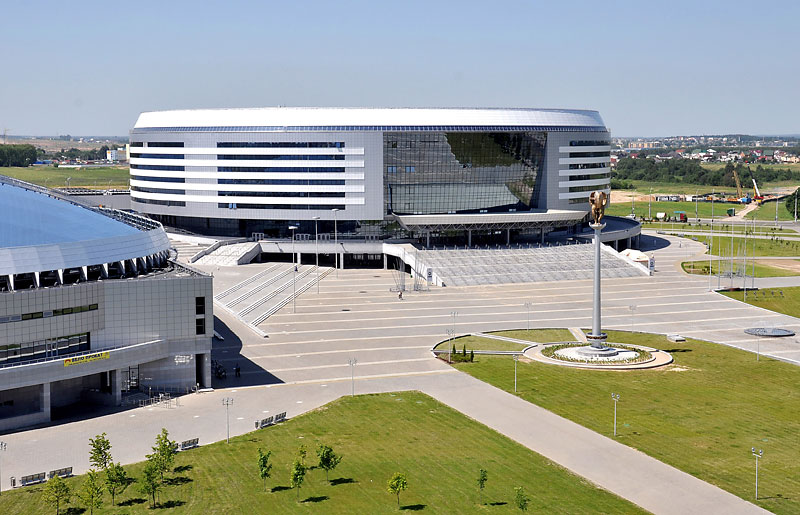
<point>73,354</point>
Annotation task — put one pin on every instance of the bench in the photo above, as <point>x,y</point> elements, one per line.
<point>280,417</point>
<point>190,444</point>
<point>65,472</point>
<point>33,479</point>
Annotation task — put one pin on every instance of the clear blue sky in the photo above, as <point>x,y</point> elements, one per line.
<point>681,67</point>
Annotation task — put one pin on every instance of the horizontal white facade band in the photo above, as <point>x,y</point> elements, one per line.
<point>355,176</point>
<point>248,163</point>
<point>248,200</point>
<point>583,160</point>
<point>249,151</point>
<point>584,171</point>
<point>604,148</point>
<point>351,188</point>
<point>580,194</point>
<point>587,182</point>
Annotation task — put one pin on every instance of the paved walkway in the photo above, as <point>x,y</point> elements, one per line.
<point>618,468</point>
<point>303,365</point>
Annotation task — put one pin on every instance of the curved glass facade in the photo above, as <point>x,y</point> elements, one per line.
<point>461,172</point>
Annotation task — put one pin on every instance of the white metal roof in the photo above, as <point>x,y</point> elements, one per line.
<point>333,116</point>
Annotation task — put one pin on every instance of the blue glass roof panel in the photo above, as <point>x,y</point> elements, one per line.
<point>29,218</point>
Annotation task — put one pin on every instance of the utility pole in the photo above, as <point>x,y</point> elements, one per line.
<point>335,243</point>
<point>228,402</point>
<point>757,455</point>
<point>316,247</point>
<point>3,448</point>
<point>294,273</point>
<point>352,362</point>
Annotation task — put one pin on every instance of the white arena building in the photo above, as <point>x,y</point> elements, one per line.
<point>379,173</point>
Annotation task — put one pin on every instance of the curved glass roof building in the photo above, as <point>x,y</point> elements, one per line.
<point>92,308</point>
<point>238,171</point>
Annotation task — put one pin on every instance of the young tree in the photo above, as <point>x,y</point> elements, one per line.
<point>398,483</point>
<point>297,475</point>
<point>150,484</point>
<point>116,480</point>
<point>264,466</point>
<point>100,452</point>
<point>483,477</point>
<point>91,493</point>
<point>328,459</point>
<point>163,453</point>
<point>521,500</point>
<point>56,492</point>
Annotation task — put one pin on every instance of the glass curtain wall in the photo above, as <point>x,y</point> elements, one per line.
<point>461,172</point>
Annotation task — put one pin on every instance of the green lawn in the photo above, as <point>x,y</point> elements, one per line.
<point>53,177</point>
<point>641,208</point>
<point>767,212</point>
<point>702,414</point>
<point>763,247</point>
<point>770,298</point>
<point>439,449</point>
<point>690,227</point>
<point>701,268</point>
<point>534,336</point>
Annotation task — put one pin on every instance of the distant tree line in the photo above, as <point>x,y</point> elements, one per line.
<point>17,155</point>
<point>691,172</point>
<point>85,155</point>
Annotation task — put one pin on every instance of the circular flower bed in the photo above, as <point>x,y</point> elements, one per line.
<point>634,355</point>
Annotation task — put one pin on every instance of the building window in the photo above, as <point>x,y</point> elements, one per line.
<point>200,326</point>
<point>411,169</point>
<point>391,169</point>
<point>200,305</point>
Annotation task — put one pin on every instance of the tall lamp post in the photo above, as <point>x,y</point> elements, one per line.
<point>335,242</point>
<point>450,335</point>
<point>696,196</point>
<point>228,402</point>
<point>649,205</point>
<point>3,447</point>
<point>294,273</point>
<point>516,359</point>
<point>454,314</point>
<point>757,455</point>
<point>352,362</point>
<point>615,398</point>
<point>528,307</point>
<point>711,242</point>
<point>316,247</point>
<point>632,308</point>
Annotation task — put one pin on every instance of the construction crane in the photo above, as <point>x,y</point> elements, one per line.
<point>739,192</point>
<point>758,197</point>
<point>5,136</point>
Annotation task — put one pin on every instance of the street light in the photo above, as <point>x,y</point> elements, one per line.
<point>696,196</point>
<point>3,447</point>
<point>649,204</point>
<point>67,181</point>
<point>316,247</point>
<point>615,397</point>
<point>450,336</point>
<point>516,359</point>
<point>528,307</point>
<point>294,273</point>
<point>335,241</point>
<point>352,362</point>
<point>711,242</point>
<point>757,455</point>
<point>632,308</point>
<point>454,314</point>
<point>228,402</point>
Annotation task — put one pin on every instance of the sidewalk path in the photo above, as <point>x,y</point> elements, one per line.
<point>631,474</point>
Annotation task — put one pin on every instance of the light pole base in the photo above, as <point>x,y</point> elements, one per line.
<point>597,349</point>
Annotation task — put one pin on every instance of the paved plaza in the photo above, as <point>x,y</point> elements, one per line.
<point>303,364</point>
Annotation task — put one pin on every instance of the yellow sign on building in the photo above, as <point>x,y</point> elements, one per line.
<point>77,360</point>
